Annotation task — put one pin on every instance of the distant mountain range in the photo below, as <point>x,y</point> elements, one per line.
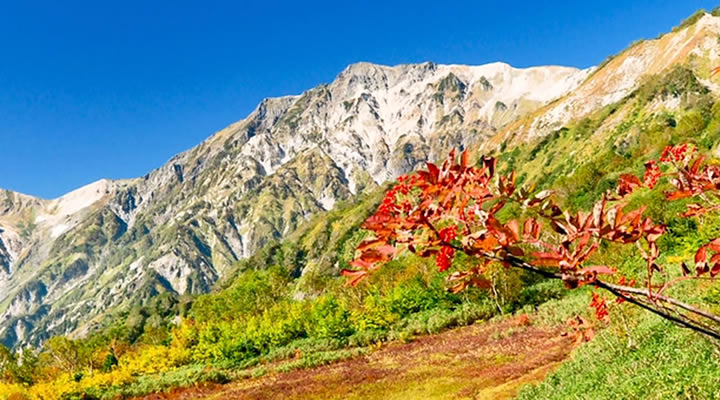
<point>66,263</point>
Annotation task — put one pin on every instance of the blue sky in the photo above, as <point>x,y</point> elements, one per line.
<point>90,90</point>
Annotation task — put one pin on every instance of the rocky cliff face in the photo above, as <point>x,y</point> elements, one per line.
<point>695,46</point>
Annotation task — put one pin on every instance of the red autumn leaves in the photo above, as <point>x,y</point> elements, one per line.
<point>458,207</point>
<point>702,265</point>
<point>669,155</point>
<point>688,172</point>
<point>445,256</point>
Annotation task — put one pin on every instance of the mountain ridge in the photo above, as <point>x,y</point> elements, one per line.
<point>180,227</point>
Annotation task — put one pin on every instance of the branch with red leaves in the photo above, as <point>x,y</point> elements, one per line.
<point>454,208</point>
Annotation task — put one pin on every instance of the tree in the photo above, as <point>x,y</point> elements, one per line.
<point>60,354</point>
<point>7,362</point>
<point>458,207</point>
<point>26,370</point>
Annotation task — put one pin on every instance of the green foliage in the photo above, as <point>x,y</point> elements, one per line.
<point>667,363</point>
<point>411,297</point>
<point>62,354</point>
<point>329,319</point>
<point>691,20</point>
<point>689,125</point>
<point>8,362</point>
<point>110,362</point>
<point>253,292</point>
<point>677,82</point>
<point>24,371</point>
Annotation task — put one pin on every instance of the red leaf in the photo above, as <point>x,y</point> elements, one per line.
<point>714,259</point>
<point>714,245</point>
<point>598,269</point>
<point>694,210</point>
<point>368,243</point>
<point>387,250</point>
<point>627,184</point>
<point>701,256</point>
<point>480,282</point>
<point>516,251</point>
<point>632,216</point>
<point>696,165</point>
<point>361,264</point>
<point>715,270</point>
<point>588,334</point>
<point>528,229</point>
<point>654,233</point>
<point>548,256</point>
<point>372,256</point>
<point>515,229</point>
<point>464,159</point>
<point>678,194</point>
<point>434,172</point>
<point>458,288</point>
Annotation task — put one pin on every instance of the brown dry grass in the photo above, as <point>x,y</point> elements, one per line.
<point>483,361</point>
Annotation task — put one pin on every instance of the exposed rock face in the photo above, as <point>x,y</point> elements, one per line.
<point>696,46</point>
<point>65,262</point>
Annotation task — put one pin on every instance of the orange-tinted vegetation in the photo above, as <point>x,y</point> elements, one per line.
<point>488,360</point>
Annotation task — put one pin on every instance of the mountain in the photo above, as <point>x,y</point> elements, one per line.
<point>66,263</point>
<point>693,44</point>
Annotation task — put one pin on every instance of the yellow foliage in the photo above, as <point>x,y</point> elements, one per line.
<point>143,361</point>
<point>184,337</point>
<point>148,360</point>
<point>7,390</point>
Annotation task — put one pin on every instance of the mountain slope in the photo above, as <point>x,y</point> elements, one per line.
<point>695,45</point>
<point>67,262</point>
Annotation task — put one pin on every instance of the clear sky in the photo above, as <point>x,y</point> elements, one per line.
<point>90,90</point>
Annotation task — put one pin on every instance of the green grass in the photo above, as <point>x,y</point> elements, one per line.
<point>320,358</point>
<point>664,362</point>
<point>186,376</point>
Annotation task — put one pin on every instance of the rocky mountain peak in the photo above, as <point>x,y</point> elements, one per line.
<point>65,263</point>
